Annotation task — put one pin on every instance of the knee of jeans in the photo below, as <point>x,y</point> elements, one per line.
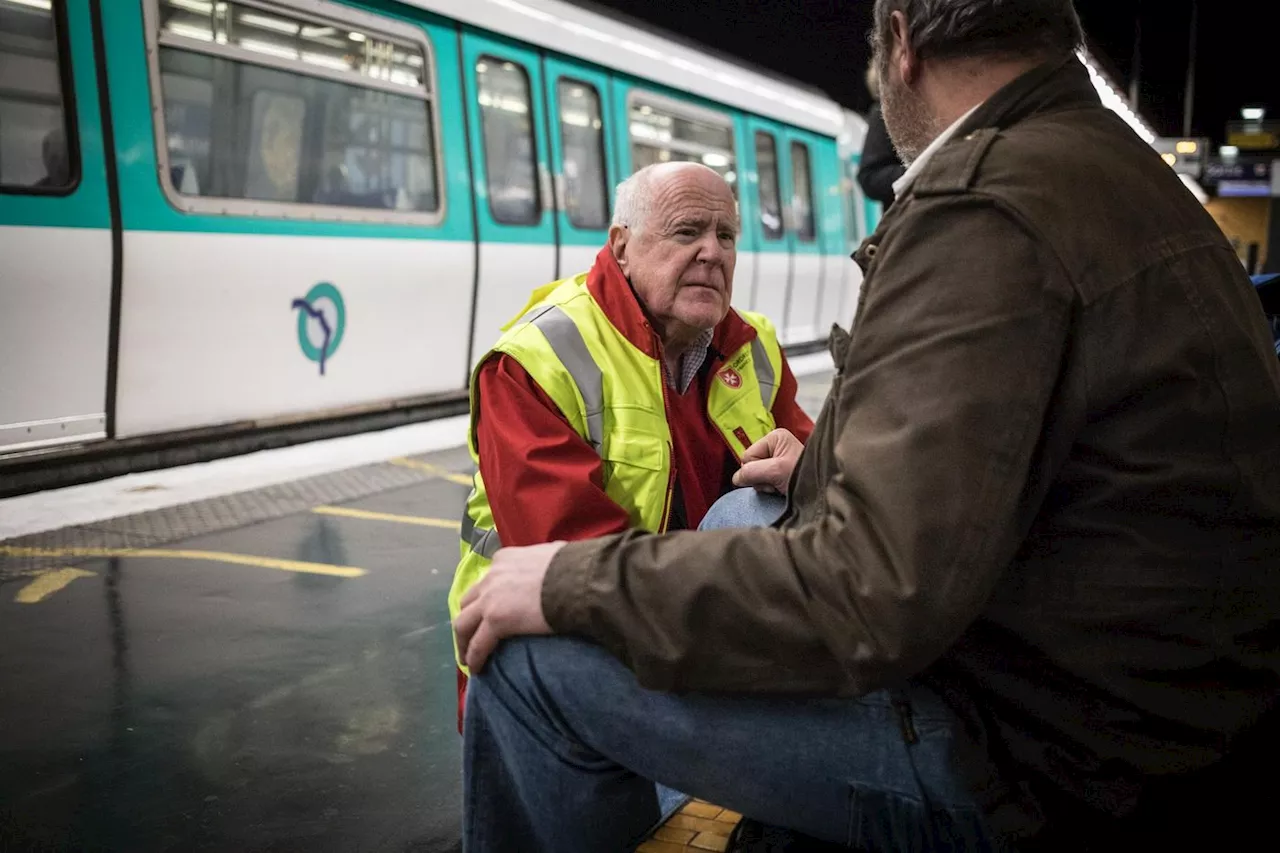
<point>537,674</point>
<point>744,508</point>
<point>524,664</point>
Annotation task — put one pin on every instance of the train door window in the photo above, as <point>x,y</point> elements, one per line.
<point>664,130</point>
<point>37,142</point>
<point>802,198</point>
<point>265,103</point>
<point>586,191</point>
<point>510,155</point>
<point>770,195</point>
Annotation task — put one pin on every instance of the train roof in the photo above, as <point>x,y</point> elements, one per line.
<point>576,31</point>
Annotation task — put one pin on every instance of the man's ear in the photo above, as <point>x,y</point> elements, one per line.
<point>900,51</point>
<point>619,236</point>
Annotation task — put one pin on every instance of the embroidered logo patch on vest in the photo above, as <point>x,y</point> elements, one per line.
<point>730,377</point>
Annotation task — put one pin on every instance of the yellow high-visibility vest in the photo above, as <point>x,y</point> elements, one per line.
<point>613,395</point>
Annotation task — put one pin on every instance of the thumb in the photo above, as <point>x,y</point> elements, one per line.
<point>762,449</point>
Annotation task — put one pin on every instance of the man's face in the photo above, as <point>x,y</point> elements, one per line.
<point>680,261</point>
<point>907,116</point>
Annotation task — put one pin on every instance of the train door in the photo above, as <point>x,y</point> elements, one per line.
<point>514,209</point>
<point>297,224</point>
<point>584,169</point>
<point>55,229</point>
<point>766,182</point>
<point>799,320</point>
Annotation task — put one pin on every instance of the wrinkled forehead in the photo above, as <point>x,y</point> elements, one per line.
<point>694,197</point>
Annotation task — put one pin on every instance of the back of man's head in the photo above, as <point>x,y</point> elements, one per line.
<point>967,29</point>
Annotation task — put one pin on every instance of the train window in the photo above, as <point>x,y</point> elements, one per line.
<point>802,197</point>
<point>770,195</point>
<point>37,145</point>
<point>586,191</point>
<point>510,156</point>
<point>264,103</point>
<point>664,130</point>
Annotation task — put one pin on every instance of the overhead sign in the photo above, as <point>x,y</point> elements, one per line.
<point>1261,140</point>
<point>1253,135</point>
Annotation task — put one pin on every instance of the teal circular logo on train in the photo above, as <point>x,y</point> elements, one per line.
<point>322,320</point>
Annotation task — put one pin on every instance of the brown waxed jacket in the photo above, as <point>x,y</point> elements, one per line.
<point>1046,480</point>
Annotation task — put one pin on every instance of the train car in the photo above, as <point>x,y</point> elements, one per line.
<point>221,215</point>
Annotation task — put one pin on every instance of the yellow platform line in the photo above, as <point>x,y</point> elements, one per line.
<point>417,465</point>
<point>365,514</point>
<point>211,556</point>
<point>47,582</point>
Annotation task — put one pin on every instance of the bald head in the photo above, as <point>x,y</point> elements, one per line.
<point>636,196</point>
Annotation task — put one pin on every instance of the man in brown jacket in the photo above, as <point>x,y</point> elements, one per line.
<point>1028,581</point>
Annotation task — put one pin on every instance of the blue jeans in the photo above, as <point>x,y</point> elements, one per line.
<point>562,748</point>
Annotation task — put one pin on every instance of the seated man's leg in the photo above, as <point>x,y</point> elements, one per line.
<point>561,745</point>
<point>738,508</point>
<point>744,508</point>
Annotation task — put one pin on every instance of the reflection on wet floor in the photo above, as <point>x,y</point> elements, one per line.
<point>173,704</point>
<point>285,685</point>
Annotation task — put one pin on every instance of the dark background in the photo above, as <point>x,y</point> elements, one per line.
<point>824,43</point>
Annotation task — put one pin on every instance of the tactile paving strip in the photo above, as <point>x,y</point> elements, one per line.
<point>171,524</point>
<point>698,826</point>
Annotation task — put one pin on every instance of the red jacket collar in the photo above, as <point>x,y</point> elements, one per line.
<point>612,292</point>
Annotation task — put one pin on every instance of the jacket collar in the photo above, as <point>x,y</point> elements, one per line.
<point>612,291</point>
<point>1054,86</point>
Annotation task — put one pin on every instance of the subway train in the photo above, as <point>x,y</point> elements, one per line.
<point>220,216</point>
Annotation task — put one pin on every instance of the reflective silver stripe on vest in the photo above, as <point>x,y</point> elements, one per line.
<point>567,343</point>
<point>483,541</point>
<point>764,371</point>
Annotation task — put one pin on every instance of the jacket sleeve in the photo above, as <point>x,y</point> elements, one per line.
<point>786,410</point>
<point>937,413</point>
<point>879,166</point>
<point>544,482</point>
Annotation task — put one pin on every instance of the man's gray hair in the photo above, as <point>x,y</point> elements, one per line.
<point>963,29</point>
<point>634,199</point>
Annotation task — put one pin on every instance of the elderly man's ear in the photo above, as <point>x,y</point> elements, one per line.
<point>618,237</point>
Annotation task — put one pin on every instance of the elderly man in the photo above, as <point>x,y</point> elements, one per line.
<point>632,395</point>
<point>1028,580</point>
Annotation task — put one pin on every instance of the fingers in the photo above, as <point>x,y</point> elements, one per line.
<point>464,626</point>
<point>765,472</point>
<point>481,646</point>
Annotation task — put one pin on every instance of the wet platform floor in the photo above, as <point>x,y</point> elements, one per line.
<point>190,704</point>
<point>286,685</point>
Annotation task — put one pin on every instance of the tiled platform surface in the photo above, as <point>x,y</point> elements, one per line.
<point>698,826</point>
